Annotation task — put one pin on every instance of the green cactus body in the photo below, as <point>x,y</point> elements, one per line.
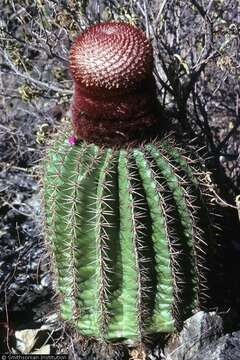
<point>124,232</point>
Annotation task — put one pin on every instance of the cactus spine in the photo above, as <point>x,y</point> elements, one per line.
<point>123,226</point>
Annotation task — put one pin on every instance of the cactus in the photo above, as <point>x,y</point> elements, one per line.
<point>123,227</point>
<point>126,222</point>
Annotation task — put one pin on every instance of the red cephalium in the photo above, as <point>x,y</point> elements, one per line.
<point>114,97</point>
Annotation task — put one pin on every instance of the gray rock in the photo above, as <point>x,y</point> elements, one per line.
<point>225,348</point>
<point>200,331</point>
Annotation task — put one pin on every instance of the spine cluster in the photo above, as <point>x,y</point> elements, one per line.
<point>124,230</point>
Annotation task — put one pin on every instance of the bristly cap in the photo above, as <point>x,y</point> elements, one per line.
<point>111,56</point>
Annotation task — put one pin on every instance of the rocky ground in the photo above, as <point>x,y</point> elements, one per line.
<point>35,96</point>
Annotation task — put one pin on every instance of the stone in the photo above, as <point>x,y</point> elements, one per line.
<point>199,331</point>
<point>225,348</point>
